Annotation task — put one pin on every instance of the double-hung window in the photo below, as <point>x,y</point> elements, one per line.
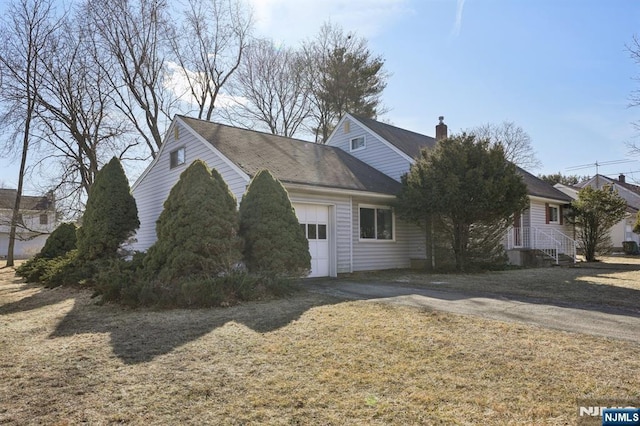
<point>553,214</point>
<point>357,143</point>
<point>177,157</point>
<point>376,223</point>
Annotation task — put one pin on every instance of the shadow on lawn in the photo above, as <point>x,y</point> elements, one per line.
<point>44,297</point>
<point>139,336</point>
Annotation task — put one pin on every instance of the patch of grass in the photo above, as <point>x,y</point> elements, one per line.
<point>304,360</point>
<point>612,282</point>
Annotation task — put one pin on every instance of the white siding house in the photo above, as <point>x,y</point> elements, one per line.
<point>37,220</point>
<point>327,188</point>
<point>343,192</point>
<point>623,230</point>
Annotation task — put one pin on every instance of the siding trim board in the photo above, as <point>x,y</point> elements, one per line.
<point>172,130</point>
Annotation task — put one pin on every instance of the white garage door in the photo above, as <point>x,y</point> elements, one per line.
<point>314,220</point>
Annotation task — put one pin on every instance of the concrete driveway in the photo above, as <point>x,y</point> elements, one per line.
<point>600,321</point>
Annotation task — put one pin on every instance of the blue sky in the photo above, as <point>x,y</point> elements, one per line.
<point>557,68</point>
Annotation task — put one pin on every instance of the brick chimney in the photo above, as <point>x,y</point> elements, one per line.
<point>441,129</point>
<point>621,178</point>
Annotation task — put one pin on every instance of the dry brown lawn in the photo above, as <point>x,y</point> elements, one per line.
<point>308,359</point>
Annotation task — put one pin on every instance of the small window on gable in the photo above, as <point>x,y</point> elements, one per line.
<point>177,157</point>
<point>347,126</point>
<point>357,143</point>
<point>44,219</point>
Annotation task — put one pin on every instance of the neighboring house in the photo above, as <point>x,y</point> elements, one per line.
<point>37,219</point>
<point>623,230</point>
<point>342,191</point>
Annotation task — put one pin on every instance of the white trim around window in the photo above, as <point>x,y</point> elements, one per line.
<point>376,223</point>
<point>356,144</point>
<point>177,157</point>
<point>554,213</point>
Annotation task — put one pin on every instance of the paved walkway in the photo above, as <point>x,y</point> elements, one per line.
<point>614,324</point>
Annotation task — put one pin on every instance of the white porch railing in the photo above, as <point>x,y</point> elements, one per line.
<point>550,242</point>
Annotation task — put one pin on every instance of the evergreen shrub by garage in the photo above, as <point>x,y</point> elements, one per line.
<point>197,230</point>
<point>274,243</point>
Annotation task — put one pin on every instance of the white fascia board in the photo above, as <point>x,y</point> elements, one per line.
<point>548,200</point>
<point>336,191</point>
<point>384,141</point>
<point>157,158</point>
<point>338,126</point>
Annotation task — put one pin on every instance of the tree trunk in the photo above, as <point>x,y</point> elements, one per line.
<point>16,207</point>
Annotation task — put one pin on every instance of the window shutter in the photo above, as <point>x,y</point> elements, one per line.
<point>560,213</point>
<point>546,212</point>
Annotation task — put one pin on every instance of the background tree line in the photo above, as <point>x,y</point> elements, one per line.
<point>81,85</point>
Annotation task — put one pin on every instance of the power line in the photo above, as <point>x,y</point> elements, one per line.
<point>597,165</point>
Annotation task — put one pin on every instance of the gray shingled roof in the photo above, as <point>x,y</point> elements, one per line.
<point>406,141</point>
<point>411,143</point>
<point>539,188</point>
<point>293,161</point>
<point>27,202</point>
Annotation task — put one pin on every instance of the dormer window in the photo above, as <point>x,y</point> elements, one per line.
<point>357,143</point>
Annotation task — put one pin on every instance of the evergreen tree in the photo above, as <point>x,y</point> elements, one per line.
<point>594,213</point>
<point>569,180</point>
<point>468,189</point>
<point>61,241</point>
<point>344,76</point>
<point>274,242</point>
<point>111,215</point>
<point>197,230</point>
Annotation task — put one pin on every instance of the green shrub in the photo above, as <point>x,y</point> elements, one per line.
<point>64,270</point>
<point>61,241</point>
<point>33,269</point>
<point>274,241</point>
<point>197,229</point>
<point>111,215</point>
<point>112,277</point>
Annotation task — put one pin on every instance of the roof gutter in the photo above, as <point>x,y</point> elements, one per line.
<point>546,200</point>
<point>337,191</point>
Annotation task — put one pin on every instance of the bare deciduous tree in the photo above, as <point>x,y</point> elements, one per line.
<point>634,98</point>
<point>76,111</point>
<point>209,47</point>
<point>269,90</point>
<point>132,40</point>
<point>26,37</point>
<point>514,140</point>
